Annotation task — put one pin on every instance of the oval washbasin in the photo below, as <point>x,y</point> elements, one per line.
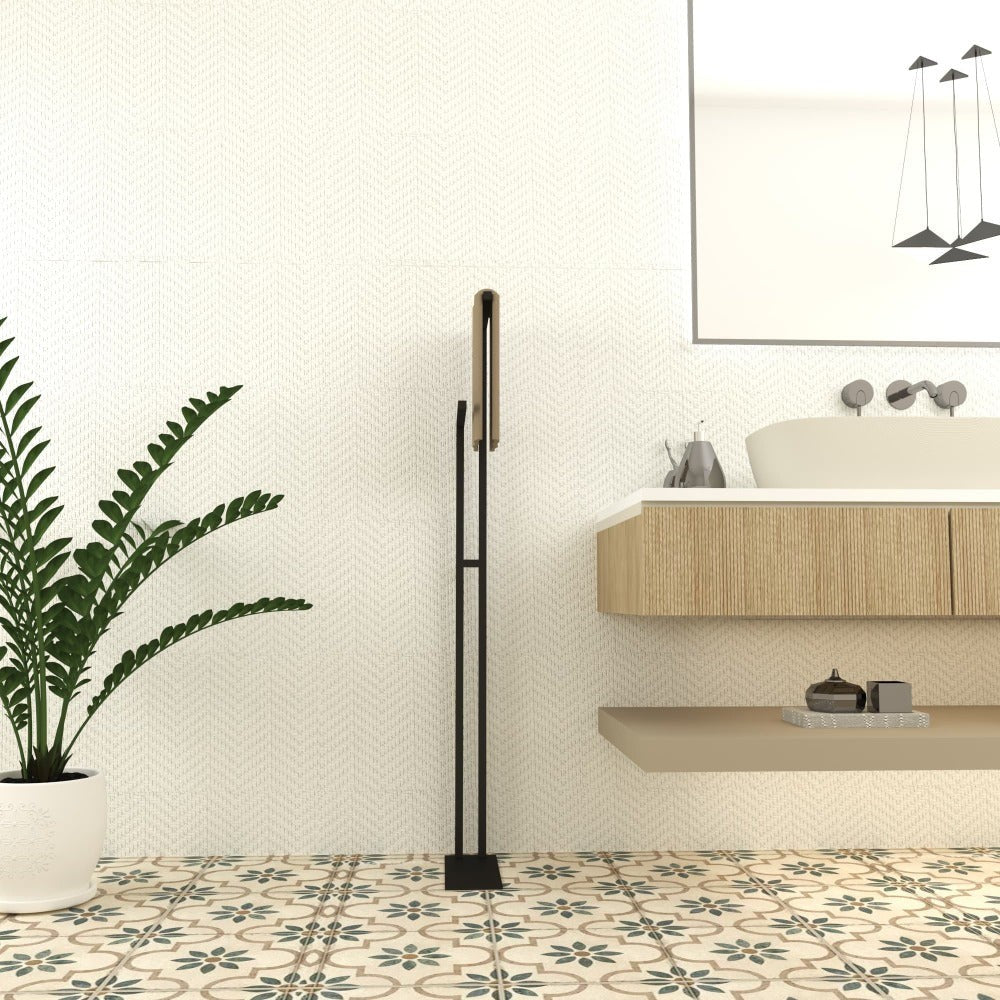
<point>878,453</point>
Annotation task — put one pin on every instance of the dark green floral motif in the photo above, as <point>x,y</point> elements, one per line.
<point>982,925</point>
<point>410,957</point>
<point>856,854</point>
<point>262,876</point>
<point>190,893</point>
<point>565,908</point>
<point>295,986</point>
<point>606,858</point>
<point>927,949</point>
<point>312,892</point>
<point>857,904</point>
<point>137,937</point>
<point>733,857</point>
<point>304,935</point>
<point>952,867</point>
<point>9,935</point>
<point>741,949</point>
<point>505,987</point>
<point>626,887</point>
<point>413,909</point>
<point>644,927</point>
<point>96,913</point>
<point>550,872</point>
<point>361,890</point>
<point>244,911</point>
<point>807,868</point>
<point>417,873</point>
<point>344,932</point>
<point>676,870</point>
<point>492,930</point>
<point>327,934</point>
<point>813,926</point>
<point>878,980</point>
<point>714,907</point>
<point>134,876</point>
<point>579,953</point>
<point>907,884</point>
<point>689,984</point>
<point>21,963</point>
<point>209,961</point>
<point>766,887</point>
<point>109,988</point>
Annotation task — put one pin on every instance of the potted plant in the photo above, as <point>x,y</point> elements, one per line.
<point>52,818</point>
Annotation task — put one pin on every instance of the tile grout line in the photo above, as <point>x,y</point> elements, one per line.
<point>335,921</point>
<point>495,945</point>
<point>655,935</point>
<point>109,976</point>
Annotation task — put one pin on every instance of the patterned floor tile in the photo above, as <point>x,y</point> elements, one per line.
<point>775,925</point>
<point>678,872</point>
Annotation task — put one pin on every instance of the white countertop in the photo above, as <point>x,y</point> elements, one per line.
<point>631,505</point>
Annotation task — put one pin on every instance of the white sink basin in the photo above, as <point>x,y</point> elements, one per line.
<point>852,452</point>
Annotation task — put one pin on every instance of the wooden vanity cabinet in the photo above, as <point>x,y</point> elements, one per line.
<point>786,561</point>
<point>975,561</point>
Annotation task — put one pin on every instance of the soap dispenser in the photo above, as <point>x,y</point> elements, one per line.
<point>700,465</point>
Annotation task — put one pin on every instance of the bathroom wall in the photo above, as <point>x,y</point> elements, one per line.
<point>303,198</point>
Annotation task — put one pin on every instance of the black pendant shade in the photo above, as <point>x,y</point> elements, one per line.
<point>956,254</point>
<point>925,238</point>
<point>981,231</point>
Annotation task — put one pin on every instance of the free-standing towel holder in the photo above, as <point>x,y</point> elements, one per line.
<point>480,870</point>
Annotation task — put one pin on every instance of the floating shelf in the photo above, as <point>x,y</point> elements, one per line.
<point>959,738</point>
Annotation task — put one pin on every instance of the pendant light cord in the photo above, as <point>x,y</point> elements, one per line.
<point>979,145</point>
<point>923,120</point>
<point>958,189</point>
<point>902,172</point>
<point>989,100</point>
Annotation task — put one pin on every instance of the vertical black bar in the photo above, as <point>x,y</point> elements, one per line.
<point>459,627</point>
<point>483,450</point>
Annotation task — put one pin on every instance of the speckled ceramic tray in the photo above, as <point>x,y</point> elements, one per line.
<point>806,719</point>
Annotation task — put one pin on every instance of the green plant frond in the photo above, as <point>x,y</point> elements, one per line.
<point>172,634</point>
<point>157,547</point>
<point>15,692</point>
<point>119,512</point>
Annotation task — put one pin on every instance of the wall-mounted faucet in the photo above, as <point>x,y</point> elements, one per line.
<point>857,394</point>
<point>947,395</point>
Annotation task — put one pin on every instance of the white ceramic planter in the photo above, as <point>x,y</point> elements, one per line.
<point>51,836</point>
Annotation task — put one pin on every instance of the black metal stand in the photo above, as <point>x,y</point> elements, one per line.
<point>480,870</point>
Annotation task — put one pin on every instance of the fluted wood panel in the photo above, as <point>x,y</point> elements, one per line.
<point>796,562</point>
<point>975,553</point>
<point>620,568</point>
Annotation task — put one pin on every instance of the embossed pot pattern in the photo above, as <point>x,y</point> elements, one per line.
<point>51,836</point>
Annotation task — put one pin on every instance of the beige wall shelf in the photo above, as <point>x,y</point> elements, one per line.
<point>960,738</point>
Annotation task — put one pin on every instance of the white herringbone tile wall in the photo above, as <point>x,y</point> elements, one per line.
<point>304,197</point>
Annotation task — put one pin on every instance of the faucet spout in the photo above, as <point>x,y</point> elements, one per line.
<point>947,395</point>
<point>905,391</point>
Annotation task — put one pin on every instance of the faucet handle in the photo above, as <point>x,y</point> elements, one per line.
<point>857,394</point>
<point>950,395</point>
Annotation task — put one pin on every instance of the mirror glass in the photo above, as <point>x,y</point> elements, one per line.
<point>816,148</point>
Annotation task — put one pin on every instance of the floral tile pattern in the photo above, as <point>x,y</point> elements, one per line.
<point>720,925</point>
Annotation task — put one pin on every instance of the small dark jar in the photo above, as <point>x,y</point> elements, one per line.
<point>835,695</point>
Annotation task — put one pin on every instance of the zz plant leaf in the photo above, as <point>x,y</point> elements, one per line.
<point>53,620</point>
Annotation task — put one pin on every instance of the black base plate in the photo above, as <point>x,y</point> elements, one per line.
<point>472,871</point>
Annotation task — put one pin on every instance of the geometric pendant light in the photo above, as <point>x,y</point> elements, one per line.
<point>926,237</point>
<point>983,230</point>
<point>956,253</point>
